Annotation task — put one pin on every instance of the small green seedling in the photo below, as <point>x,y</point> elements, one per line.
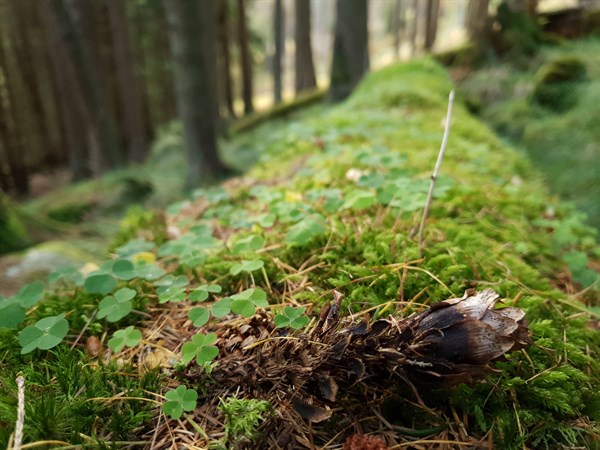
<point>128,337</point>
<point>201,348</point>
<point>248,244</point>
<point>246,302</point>
<point>291,317</point>
<point>179,400</point>
<point>45,334</point>
<point>124,269</point>
<point>115,307</point>
<point>247,266</point>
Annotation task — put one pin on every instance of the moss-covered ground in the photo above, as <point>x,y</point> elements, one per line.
<point>548,107</point>
<point>333,203</point>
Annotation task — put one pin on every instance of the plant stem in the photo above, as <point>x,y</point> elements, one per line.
<point>20,413</point>
<point>436,171</point>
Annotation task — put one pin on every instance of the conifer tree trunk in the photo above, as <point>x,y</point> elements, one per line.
<point>478,25</point>
<point>73,114</point>
<point>246,62</point>
<point>278,39</point>
<point>431,20</point>
<point>305,69</point>
<point>75,17</point>
<point>350,48</point>
<point>225,56</point>
<point>192,32</point>
<point>132,111</point>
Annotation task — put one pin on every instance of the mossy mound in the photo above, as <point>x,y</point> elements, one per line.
<point>549,110</point>
<point>555,87</point>
<point>333,205</point>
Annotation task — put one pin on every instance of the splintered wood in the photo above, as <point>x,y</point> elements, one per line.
<point>342,369</point>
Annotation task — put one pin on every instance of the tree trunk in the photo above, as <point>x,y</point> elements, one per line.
<point>246,62</point>
<point>73,114</point>
<point>75,18</point>
<point>395,28</point>
<point>193,44</point>
<point>225,57</point>
<point>132,112</point>
<point>431,20</point>
<point>305,69</point>
<point>278,39</point>
<point>479,25</point>
<point>350,48</point>
<point>414,29</point>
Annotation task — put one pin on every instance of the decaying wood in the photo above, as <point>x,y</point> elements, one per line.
<point>340,362</point>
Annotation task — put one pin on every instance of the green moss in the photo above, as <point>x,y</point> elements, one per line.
<point>555,87</point>
<point>13,234</point>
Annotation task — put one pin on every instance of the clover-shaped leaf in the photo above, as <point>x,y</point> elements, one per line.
<point>202,292</point>
<point>247,266</point>
<point>201,348</point>
<point>170,282</point>
<point>359,200</point>
<point>291,317</point>
<point>199,316</point>
<point>179,400</point>
<point>12,313</point>
<point>246,302</point>
<point>147,271</point>
<point>308,228</point>
<point>124,269</point>
<point>115,307</point>
<point>30,294</point>
<point>99,283</point>
<point>127,337</point>
<point>45,334</point>
<point>247,244</point>
<point>173,295</point>
<point>222,307</point>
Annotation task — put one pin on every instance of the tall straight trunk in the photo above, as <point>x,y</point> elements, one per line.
<point>246,62</point>
<point>73,114</point>
<point>479,25</point>
<point>10,113</point>
<point>431,21</point>
<point>193,44</point>
<point>414,29</point>
<point>75,18</point>
<point>225,57</point>
<point>278,38</point>
<point>350,48</point>
<point>305,69</point>
<point>128,89</point>
<point>395,28</point>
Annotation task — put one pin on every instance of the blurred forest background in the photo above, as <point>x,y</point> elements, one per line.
<point>88,87</point>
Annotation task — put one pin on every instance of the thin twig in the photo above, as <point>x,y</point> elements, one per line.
<point>20,413</point>
<point>436,170</point>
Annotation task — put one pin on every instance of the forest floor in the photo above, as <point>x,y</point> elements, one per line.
<point>146,347</point>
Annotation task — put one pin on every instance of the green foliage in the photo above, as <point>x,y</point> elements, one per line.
<point>200,348</point>
<point>555,87</point>
<point>13,234</point>
<point>247,266</point>
<point>243,417</point>
<point>291,317</point>
<point>179,400</point>
<point>45,334</point>
<point>115,307</point>
<point>129,337</point>
<point>100,282</point>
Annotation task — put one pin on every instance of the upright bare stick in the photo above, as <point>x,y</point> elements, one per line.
<point>436,170</point>
<point>20,413</point>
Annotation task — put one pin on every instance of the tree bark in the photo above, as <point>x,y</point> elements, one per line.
<point>350,48</point>
<point>305,69</point>
<point>414,29</point>
<point>193,45</point>
<point>225,57</point>
<point>479,25</point>
<point>246,62</point>
<point>131,105</point>
<point>75,18</point>
<point>431,18</point>
<point>278,39</point>
<point>73,114</point>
